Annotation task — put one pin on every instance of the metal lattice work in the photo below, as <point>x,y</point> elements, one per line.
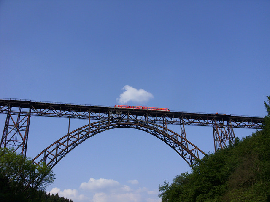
<point>223,136</point>
<point>56,151</point>
<point>16,129</point>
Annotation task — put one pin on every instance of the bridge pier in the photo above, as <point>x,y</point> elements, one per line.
<point>223,136</point>
<point>16,129</point>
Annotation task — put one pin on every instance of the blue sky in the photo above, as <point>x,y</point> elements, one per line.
<point>210,56</point>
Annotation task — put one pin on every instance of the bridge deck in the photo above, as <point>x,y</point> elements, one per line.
<point>84,111</point>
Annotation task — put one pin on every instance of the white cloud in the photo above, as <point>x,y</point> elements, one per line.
<point>133,181</point>
<point>99,184</point>
<point>124,193</point>
<point>116,197</point>
<point>126,188</point>
<point>133,94</point>
<point>152,192</point>
<point>153,200</point>
<point>100,197</point>
<point>69,194</point>
<point>108,190</point>
<point>54,191</point>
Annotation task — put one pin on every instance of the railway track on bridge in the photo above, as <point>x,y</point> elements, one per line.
<point>49,109</point>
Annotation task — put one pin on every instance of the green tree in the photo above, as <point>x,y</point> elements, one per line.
<point>20,177</point>
<point>267,106</point>
<point>240,172</point>
<point>267,118</point>
<point>176,191</point>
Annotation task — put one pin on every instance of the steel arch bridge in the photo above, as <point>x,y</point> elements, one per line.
<point>100,119</point>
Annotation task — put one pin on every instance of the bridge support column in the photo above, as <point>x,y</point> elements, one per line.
<point>16,129</point>
<point>223,135</point>
<point>183,134</point>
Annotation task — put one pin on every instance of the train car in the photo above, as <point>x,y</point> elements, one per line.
<point>164,109</point>
<point>142,107</point>
<point>129,107</point>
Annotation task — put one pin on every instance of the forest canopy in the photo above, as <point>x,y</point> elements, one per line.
<point>240,172</point>
<point>22,180</point>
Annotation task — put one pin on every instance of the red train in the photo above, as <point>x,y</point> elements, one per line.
<point>142,107</point>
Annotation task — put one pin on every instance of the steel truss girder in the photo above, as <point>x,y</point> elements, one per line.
<point>17,135</point>
<point>97,112</point>
<point>56,151</point>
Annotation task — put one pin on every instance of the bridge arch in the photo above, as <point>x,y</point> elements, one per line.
<point>61,147</point>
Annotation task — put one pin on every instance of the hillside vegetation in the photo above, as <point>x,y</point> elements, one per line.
<point>240,172</point>
<point>23,181</point>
